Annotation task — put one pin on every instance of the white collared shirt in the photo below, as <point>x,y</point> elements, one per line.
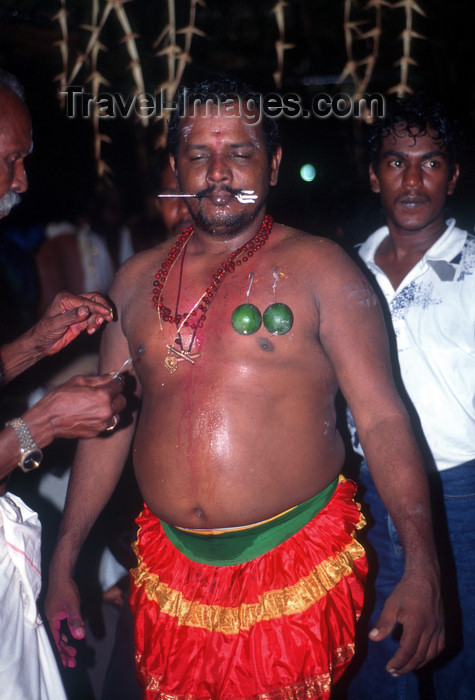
<point>28,668</point>
<point>433,315</point>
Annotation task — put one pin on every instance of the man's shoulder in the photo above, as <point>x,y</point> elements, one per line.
<point>469,240</point>
<point>135,274</point>
<point>456,246</point>
<point>367,249</point>
<point>322,261</point>
<point>305,243</point>
<point>139,262</point>
<point>467,254</point>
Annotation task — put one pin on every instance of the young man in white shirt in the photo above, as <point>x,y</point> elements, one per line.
<point>425,269</point>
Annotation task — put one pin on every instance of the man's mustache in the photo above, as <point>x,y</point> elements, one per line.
<point>214,188</point>
<point>412,198</point>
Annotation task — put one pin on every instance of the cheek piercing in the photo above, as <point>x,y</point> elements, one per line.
<point>242,196</point>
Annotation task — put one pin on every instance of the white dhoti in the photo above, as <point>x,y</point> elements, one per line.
<point>28,668</point>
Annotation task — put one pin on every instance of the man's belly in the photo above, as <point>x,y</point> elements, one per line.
<point>223,479</point>
<point>221,449</point>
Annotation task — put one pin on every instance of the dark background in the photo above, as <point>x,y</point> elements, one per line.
<point>240,37</point>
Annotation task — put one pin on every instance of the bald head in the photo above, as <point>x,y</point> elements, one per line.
<point>15,145</point>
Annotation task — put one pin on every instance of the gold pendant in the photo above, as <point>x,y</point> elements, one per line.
<point>171,363</point>
<point>174,356</point>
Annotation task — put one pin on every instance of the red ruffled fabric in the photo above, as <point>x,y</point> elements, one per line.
<point>280,626</point>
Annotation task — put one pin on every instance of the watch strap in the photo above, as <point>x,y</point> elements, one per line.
<point>31,455</point>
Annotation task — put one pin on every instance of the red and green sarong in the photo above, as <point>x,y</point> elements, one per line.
<point>266,611</point>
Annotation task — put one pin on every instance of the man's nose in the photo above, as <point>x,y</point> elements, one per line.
<point>20,181</point>
<point>218,170</point>
<point>412,176</point>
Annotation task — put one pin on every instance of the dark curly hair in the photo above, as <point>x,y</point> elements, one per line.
<point>218,91</point>
<point>415,115</point>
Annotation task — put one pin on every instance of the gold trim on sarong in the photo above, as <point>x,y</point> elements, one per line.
<point>271,604</point>
<point>316,686</point>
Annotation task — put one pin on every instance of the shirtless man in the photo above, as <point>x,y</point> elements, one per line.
<point>249,578</point>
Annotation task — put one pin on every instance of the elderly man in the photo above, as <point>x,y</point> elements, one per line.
<point>83,407</point>
<point>249,578</point>
<point>425,268</point>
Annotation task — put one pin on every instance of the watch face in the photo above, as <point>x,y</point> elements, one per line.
<point>32,460</point>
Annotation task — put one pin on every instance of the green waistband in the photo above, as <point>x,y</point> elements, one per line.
<point>238,546</point>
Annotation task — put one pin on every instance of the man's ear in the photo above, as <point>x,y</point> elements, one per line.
<point>274,166</point>
<point>453,180</point>
<point>373,180</point>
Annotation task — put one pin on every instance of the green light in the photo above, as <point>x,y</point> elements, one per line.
<point>308,172</point>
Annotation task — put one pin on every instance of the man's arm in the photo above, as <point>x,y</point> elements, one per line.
<point>353,334</point>
<point>95,473</point>
<point>81,407</point>
<point>62,322</point>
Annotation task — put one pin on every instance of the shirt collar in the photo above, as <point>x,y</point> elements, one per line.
<point>447,247</point>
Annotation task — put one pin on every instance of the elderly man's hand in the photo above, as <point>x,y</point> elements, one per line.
<point>82,407</point>
<point>67,317</point>
<point>416,604</point>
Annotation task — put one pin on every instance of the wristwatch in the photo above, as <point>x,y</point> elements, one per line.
<point>31,455</point>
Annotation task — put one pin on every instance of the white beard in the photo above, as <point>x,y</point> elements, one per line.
<point>8,201</point>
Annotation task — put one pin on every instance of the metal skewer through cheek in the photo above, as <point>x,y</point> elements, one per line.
<point>243,196</point>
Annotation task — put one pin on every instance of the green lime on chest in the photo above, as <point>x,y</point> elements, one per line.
<point>278,319</point>
<point>246,319</point>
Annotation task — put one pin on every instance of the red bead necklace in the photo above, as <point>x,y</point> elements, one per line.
<point>237,257</point>
<point>229,265</point>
